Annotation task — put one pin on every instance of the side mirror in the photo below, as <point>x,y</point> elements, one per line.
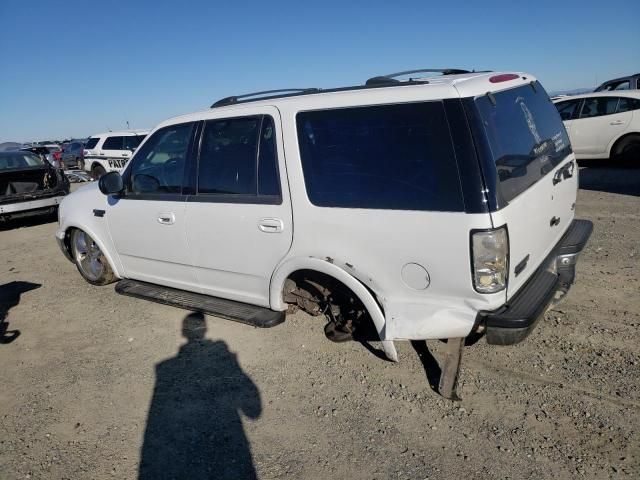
<point>111,183</point>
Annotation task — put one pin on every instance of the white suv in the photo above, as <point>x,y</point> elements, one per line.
<point>436,207</point>
<point>110,152</point>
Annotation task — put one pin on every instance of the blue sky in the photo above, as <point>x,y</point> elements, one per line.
<point>74,68</point>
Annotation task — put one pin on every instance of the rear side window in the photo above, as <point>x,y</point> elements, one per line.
<point>238,156</point>
<point>598,106</point>
<point>525,134</point>
<point>381,157</point>
<point>92,143</point>
<point>626,104</point>
<point>113,143</point>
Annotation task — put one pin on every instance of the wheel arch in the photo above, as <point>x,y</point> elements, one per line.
<point>615,143</point>
<point>113,260</point>
<point>327,267</point>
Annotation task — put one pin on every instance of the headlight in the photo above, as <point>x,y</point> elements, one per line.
<point>490,260</point>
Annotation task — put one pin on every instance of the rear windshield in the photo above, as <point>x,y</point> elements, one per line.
<point>91,143</point>
<point>383,157</point>
<point>19,160</point>
<point>526,136</point>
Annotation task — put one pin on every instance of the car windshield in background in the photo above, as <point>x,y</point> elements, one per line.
<point>13,160</point>
<point>384,157</point>
<point>526,136</point>
<point>91,143</point>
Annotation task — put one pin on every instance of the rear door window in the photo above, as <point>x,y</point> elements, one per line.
<point>598,106</point>
<point>525,134</point>
<point>132,142</point>
<point>627,104</point>
<point>380,157</point>
<point>113,143</point>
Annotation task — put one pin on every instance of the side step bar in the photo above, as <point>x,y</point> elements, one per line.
<point>219,307</point>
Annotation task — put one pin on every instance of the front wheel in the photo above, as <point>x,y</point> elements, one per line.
<point>80,163</point>
<point>89,259</point>
<point>97,171</point>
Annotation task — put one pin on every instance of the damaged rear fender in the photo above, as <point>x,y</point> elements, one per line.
<point>328,267</point>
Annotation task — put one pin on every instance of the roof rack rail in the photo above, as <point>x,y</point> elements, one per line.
<point>265,94</point>
<point>392,77</point>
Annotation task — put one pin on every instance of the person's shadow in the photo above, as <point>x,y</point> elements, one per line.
<point>10,297</point>
<point>194,429</point>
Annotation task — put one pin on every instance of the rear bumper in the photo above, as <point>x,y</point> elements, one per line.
<point>23,208</point>
<point>512,322</point>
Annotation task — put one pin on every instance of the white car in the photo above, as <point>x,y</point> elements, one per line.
<point>110,151</point>
<point>434,208</point>
<point>603,124</point>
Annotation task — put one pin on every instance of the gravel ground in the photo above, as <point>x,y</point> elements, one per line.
<point>103,386</point>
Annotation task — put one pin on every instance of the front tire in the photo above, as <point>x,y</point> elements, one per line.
<point>97,171</point>
<point>89,259</point>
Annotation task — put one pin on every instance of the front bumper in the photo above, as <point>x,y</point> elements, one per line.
<point>512,322</point>
<point>61,241</point>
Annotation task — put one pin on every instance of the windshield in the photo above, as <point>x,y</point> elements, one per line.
<point>526,136</point>
<point>19,160</point>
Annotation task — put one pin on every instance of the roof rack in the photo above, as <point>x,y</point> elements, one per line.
<point>265,94</point>
<point>392,77</point>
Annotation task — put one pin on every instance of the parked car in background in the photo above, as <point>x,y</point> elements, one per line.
<point>109,152</point>
<point>29,185</point>
<point>56,151</point>
<point>45,153</point>
<point>435,207</point>
<point>73,155</point>
<point>632,82</point>
<point>603,124</point>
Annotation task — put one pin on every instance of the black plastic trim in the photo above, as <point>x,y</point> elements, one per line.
<point>512,322</point>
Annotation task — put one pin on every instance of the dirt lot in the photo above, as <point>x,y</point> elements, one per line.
<point>103,386</point>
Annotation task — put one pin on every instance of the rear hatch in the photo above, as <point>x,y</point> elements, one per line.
<point>530,172</point>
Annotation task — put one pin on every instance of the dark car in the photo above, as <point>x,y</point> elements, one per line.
<point>73,155</point>
<point>29,185</point>
<point>632,82</point>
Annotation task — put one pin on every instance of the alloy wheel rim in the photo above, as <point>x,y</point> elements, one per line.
<point>88,256</point>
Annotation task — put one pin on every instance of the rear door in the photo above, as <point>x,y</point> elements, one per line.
<point>598,125</point>
<point>239,222</point>
<point>534,171</point>
<point>114,152</point>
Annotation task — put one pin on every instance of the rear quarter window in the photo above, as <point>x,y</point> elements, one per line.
<point>526,137</point>
<point>396,157</point>
<point>91,143</point>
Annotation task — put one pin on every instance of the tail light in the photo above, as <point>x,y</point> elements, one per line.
<point>490,259</point>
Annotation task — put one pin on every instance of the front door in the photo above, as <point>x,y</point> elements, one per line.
<point>239,222</point>
<point>147,223</point>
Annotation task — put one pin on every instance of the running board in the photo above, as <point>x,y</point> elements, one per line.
<point>197,302</point>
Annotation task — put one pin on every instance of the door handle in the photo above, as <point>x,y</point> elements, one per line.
<point>617,122</point>
<point>271,225</point>
<point>168,218</point>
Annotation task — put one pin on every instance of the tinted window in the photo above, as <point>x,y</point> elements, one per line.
<point>384,157</point>
<point>567,109</point>
<point>131,142</point>
<point>526,136</point>
<point>268,181</point>
<point>92,143</point>
<point>158,167</point>
<point>19,160</point>
<point>598,106</point>
<point>626,104</point>
<point>113,143</point>
<point>238,156</point>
